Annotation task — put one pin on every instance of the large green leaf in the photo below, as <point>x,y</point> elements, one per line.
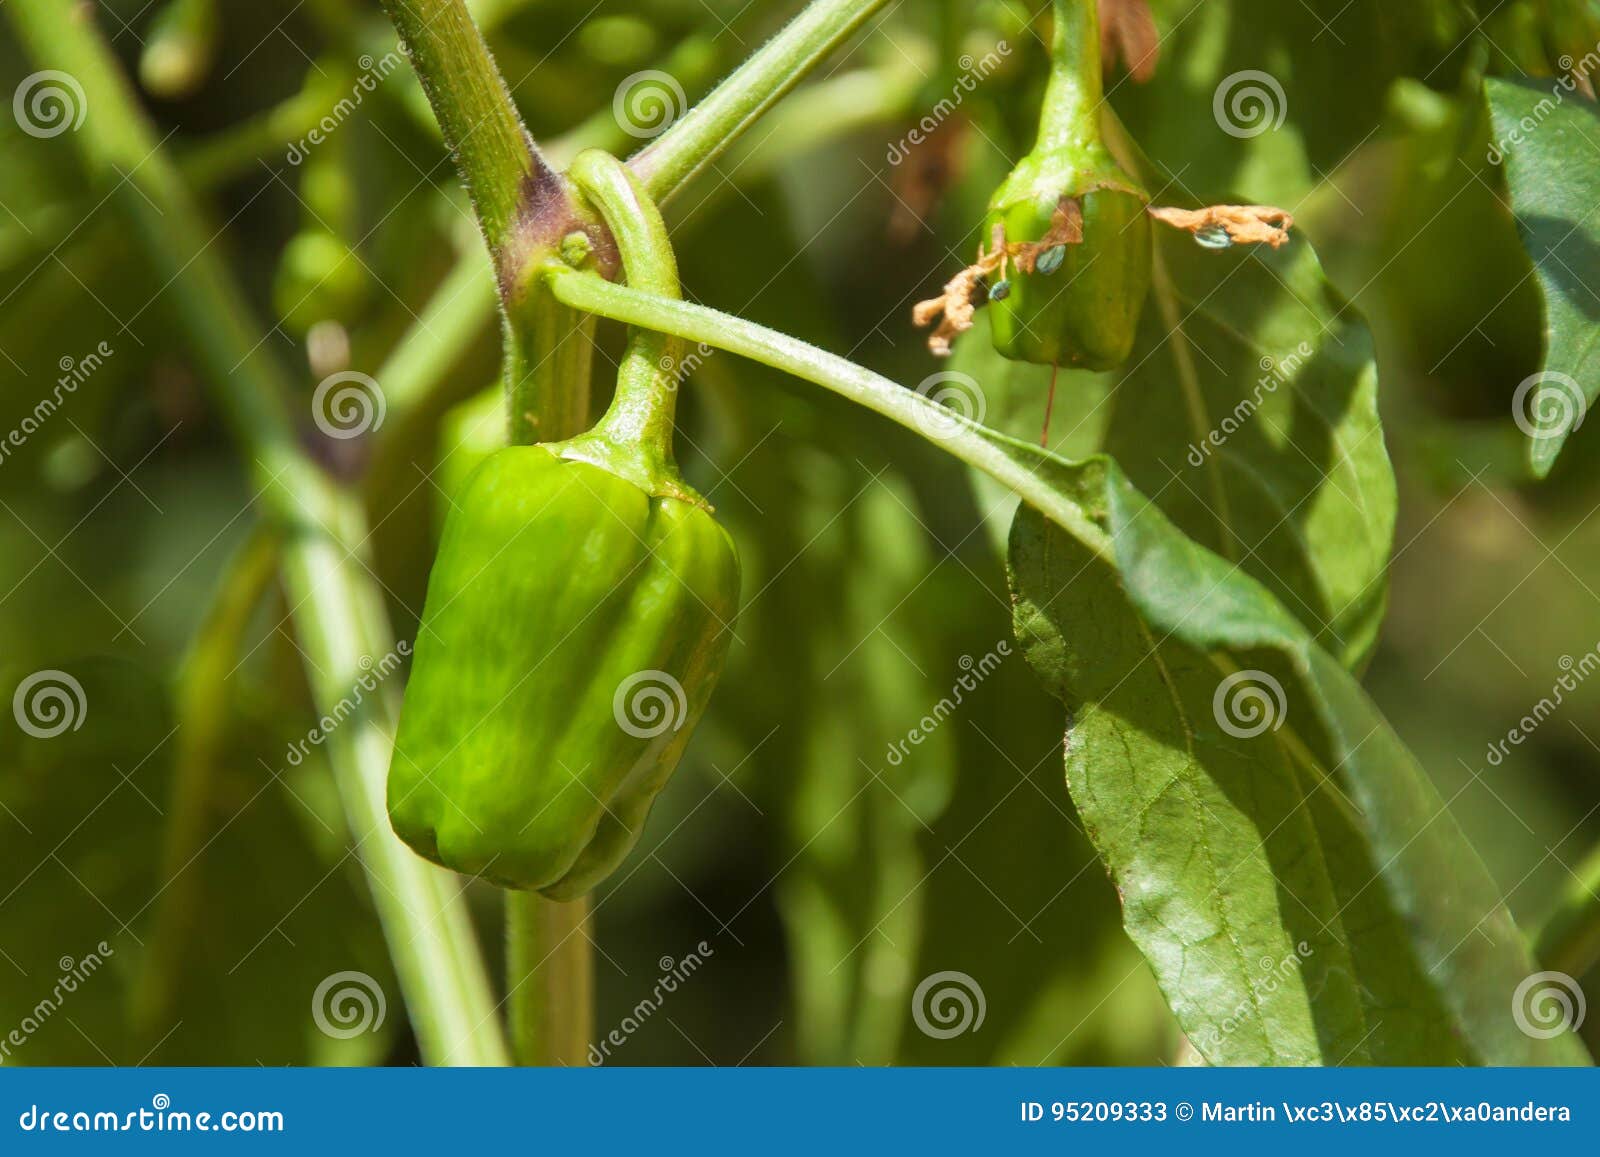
<point>1279,852</point>
<point>1548,135</point>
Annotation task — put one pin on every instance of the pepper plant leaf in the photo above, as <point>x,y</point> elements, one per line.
<point>1279,852</point>
<point>1547,135</point>
<point>1250,415</point>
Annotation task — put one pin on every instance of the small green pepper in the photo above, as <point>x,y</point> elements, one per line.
<point>1071,302</point>
<point>574,627</point>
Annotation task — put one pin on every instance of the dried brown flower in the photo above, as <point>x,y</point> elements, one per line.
<point>1244,224</point>
<point>954,308</point>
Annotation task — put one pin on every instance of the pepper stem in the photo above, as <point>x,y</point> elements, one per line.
<point>640,417</point>
<point>1070,116</point>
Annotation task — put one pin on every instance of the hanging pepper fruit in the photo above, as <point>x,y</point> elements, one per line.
<point>1070,224</point>
<point>577,618</point>
<point>575,624</point>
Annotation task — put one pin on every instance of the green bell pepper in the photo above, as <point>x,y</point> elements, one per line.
<point>574,627</point>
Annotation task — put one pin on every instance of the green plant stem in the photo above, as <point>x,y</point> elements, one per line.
<point>1570,939</point>
<point>549,356</point>
<point>466,299</point>
<point>957,435</point>
<point>203,715</point>
<point>548,364</point>
<point>699,137</point>
<point>523,208</point>
<point>549,962</point>
<point>1070,115</point>
<point>338,613</point>
<point>480,124</point>
<point>550,975</point>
